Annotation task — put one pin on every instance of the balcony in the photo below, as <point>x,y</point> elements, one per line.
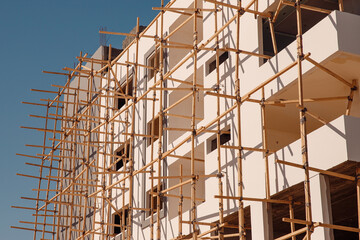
<point>333,43</point>
<point>328,146</point>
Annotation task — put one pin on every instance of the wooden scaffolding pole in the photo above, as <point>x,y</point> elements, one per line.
<point>50,173</point>
<point>302,112</point>
<point>241,214</point>
<point>74,137</point>
<point>161,124</point>
<point>193,126</point>
<point>131,153</point>
<point>152,139</point>
<point>41,172</point>
<point>218,126</point>
<point>61,173</point>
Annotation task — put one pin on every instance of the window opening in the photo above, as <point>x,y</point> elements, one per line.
<point>225,137</point>
<point>120,153</point>
<point>222,58</point>
<point>156,129</point>
<point>126,88</point>
<point>154,61</point>
<point>149,196</point>
<point>120,219</point>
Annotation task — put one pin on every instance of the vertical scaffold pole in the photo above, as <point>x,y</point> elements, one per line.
<point>131,152</point>
<point>41,173</point>
<point>161,118</point>
<point>152,139</point>
<point>193,125</point>
<point>302,113</point>
<point>220,183</point>
<point>241,217</point>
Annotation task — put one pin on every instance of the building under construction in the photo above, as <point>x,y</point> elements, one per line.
<point>219,120</point>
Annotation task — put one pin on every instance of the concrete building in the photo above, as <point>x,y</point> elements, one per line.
<point>220,120</point>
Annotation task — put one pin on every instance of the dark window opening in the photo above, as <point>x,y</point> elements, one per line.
<point>156,130</point>
<point>128,89</point>
<point>154,61</point>
<point>222,58</point>
<point>117,229</point>
<point>224,138</point>
<point>120,219</point>
<point>150,195</point>
<point>285,27</point>
<point>123,155</point>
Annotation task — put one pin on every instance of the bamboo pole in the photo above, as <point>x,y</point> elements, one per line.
<point>303,130</point>
<point>50,170</point>
<point>277,11</point>
<point>295,233</point>
<point>74,155</point>
<point>292,216</point>
<point>321,67</point>
<point>218,125</point>
<point>241,215</point>
<point>266,157</point>
<point>265,145</point>
<point>87,139</point>
<point>341,5</point>
<point>329,173</point>
<point>61,173</point>
<point>193,212</point>
<point>161,118</point>
<point>41,171</point>
<point>277,201</point>
<point>273,39</point>
<point>181,200</point>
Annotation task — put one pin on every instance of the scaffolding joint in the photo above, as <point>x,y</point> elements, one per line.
<point>216,87</point>
<point>311,227</point>
<point>238,99</point>
<point>262,102</point>
<point>303,151</point>
<point>304,110</point>
<point>303,119</point>
<point>301,56</point>
<point>306,165</point>
<point>193,132</point>
<point>241,11</point>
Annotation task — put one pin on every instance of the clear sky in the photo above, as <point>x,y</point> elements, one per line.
<point>39,35</point>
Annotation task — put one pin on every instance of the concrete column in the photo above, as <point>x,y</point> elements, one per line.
<point>321,206</point>
<point>261,221</point>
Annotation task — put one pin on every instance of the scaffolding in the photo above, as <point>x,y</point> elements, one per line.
<point>76,185</point>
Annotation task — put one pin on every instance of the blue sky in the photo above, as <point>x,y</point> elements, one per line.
<point>42,35</point>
